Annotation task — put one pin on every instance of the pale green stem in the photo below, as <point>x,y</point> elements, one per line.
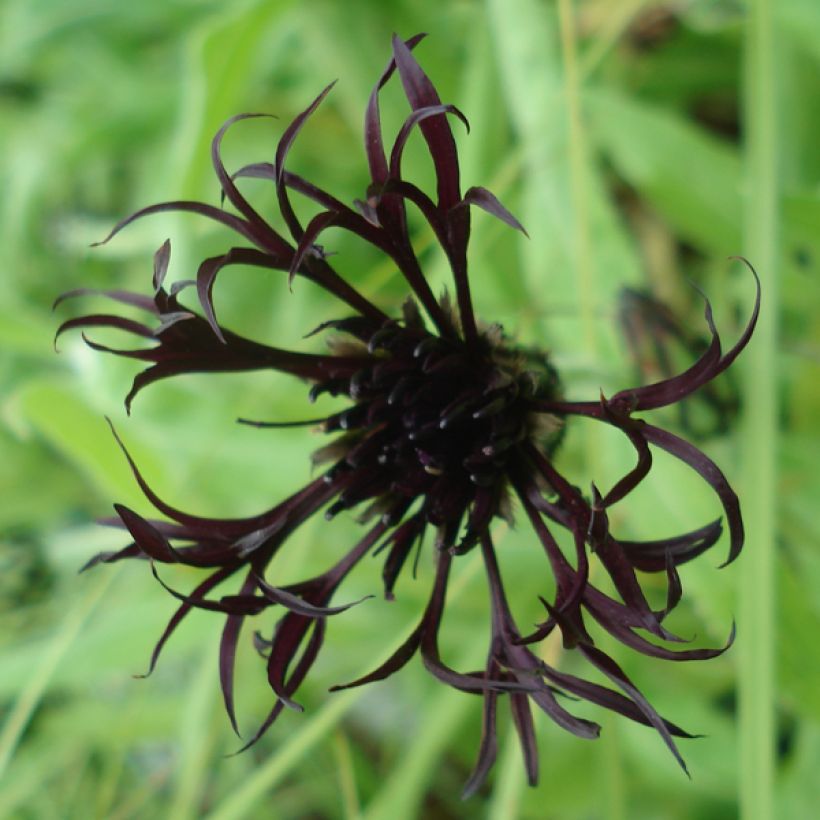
<point>756,608</point>
<point>347,776</point>
<point>577,154</point>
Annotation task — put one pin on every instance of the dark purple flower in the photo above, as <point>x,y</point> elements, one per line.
<point>447,427</point>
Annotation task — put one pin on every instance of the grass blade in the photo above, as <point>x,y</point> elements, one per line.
<point>756,684</point>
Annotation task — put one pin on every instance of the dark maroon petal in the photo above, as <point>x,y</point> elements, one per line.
<point>421,94</point>
<point>396,661</point>
<point>348,220</point>
<point>525,728</point>
<point>637,474</point>
<point>256,170</point>
<point>392,213</point>
<point>569,495</point>
<point>417,117</point>
<point>404,258</point>
<point>292,628</point>
<point>401,544</point>
<point>314,269</point>
<point>458,234</point>
<point>313,192</point>
<point>210,554</point>
<point>282,150</point>
<point>650,556</point>
<point>578,519</point>
<point>168,320</point>
<point>152,542</point>
<point>677,447</point>
<point>623,575</point>
<point>299,606</point>
<point>126,297</point>
<point>308,239</point>
<point>591,409</point>
<point>614,672</point>
<point>586,729</point>
<point>429,643</point>
<point>209,211</point>
<point>407,190</point>
<point>729,358</point>
<point>487,201</point>
<point>180,285</point>
<point>262,233</point>
<point>290,632</point>
<point>190,346</point>
<point>678,387</point>
<point>227,653</point>
<point>409,266</point>
<point>608,698</point>
<point>161,259</point>
<point>227,604</point>
<point>105,320</point>
<point>674,588</point>
<point>208,270</point>
<point>564,575</point>
<point>110,557</point>
<point>267,170</point>
<point>709,472</point>
<point>710,365</point>
<point>488,749</point>
<point>144,354</point>
<point>467,682</point>
<point>303,666</point>
<point>610,615</point>
<point>373,142</point>
<point>198,594</point>
<point>523,665</point>
<point>282,424</point>
<point>193,352</point>
<point>316,493</point>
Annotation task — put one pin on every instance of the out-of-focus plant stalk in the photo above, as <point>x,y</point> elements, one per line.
<point>757,635</point>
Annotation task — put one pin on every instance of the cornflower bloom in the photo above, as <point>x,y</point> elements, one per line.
<point>447,426</point>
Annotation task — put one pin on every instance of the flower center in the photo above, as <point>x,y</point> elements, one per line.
<point>435,417</point>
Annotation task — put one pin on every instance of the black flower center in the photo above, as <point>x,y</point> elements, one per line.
<point>434,417</point>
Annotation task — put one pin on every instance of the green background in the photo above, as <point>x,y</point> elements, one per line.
<point>641,144</point>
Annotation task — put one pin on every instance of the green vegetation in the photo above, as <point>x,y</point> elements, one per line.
<point>641,143</point>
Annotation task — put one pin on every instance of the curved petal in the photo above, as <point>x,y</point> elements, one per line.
<point>421,94</point>
<point>488,201</point>
<point>282,149</point>
<point>417,117</point>
<point>298,605</point>
<point>208,211</point>
<point>711,474</point>
<point>227,653</point>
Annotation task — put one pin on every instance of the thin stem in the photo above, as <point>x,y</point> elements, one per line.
<point>578,178</point>
<point>346,775</point>
<point>757,629</point>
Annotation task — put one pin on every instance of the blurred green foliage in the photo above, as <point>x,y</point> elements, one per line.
<point>106,107</point>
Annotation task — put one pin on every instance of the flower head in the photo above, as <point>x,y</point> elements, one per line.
<point>447,426</point>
